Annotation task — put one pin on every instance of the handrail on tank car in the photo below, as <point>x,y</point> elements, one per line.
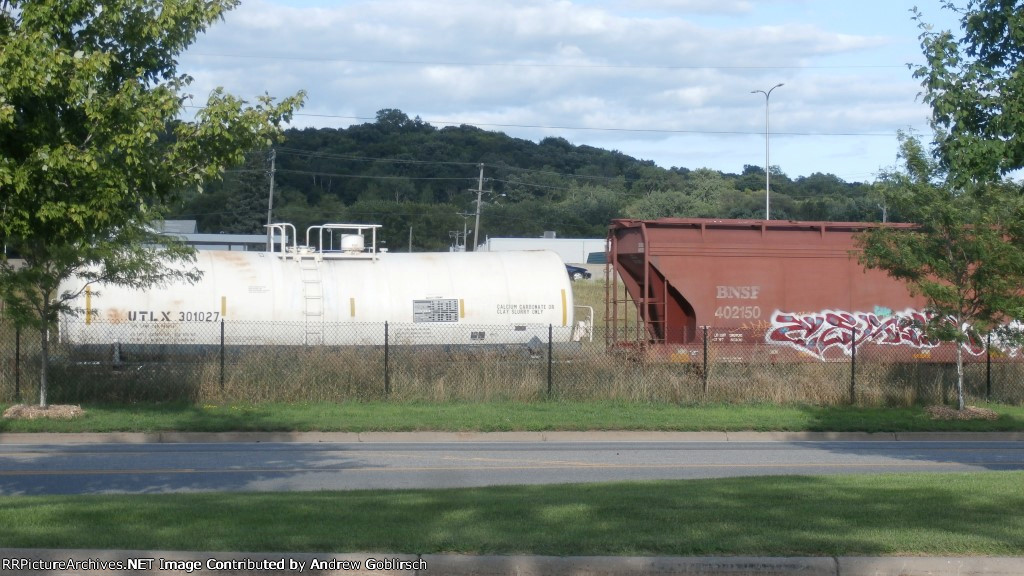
<point>356,249</point>
<point>280,230</point>
<point>584,328</point>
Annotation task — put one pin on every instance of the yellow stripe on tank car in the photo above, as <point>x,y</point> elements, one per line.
<point>352,307</point>
<point>565,310</point>
<point>88,305</point>
<point>223,306</point>
<point>462,308</point>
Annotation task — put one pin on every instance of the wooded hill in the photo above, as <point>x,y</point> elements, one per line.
<point>404,173</point>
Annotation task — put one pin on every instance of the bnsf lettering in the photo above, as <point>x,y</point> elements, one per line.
<point>737,292</point>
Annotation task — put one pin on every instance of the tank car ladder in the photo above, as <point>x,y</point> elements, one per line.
<point>313,297</point>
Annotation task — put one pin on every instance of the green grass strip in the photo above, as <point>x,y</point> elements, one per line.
<point>508,416</point>
<point>899,514</point>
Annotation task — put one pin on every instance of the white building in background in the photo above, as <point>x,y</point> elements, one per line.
<point>572,250</point>
<point>186,231</point>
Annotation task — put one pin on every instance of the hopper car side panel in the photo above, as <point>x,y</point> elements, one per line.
<point>796,286</point>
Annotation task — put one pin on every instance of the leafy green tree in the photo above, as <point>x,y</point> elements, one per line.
<point>752,178</point>
<point>590,211</point>
<point>92,148</point>
<point>668,204</point>
<point>650,180</point>
<point>967,256</point>
<point>246,209</point>
<point>707,186</point>
<point>963,257</point>
<point>975,88</point>
<point>237,204</point>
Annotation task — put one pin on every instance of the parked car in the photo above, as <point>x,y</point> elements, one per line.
<point>577,272</point>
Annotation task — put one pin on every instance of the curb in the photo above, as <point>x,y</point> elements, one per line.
<point>497,437</point>
<point>214,563</point>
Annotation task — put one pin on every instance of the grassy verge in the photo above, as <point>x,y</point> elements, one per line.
<point>900,514</point>
<point>507,416</point>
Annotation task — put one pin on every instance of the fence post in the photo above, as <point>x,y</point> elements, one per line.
<point>550,346</point>
<point>705,371</point>
<point>853,368</point>
<point>221,354</point>
<point>17,363</point>
<point>988,367</point>
<point>387,363</point>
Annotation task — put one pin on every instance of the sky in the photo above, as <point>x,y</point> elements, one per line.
<point>669,81</point>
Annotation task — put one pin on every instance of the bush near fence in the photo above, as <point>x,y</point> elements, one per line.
<point>704,371</point>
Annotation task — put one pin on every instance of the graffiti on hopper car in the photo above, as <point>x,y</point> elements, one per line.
<point>818,332</point>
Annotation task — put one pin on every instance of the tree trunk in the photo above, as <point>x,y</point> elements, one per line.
<point>960,375</point>
<point>44,356</point>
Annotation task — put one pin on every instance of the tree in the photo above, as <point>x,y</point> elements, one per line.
<point>707,186</point>
<point>245,211</point>
<point>967,256</point>
<point>963,257</point>
<point>92,147</point>
<point>975,88</point>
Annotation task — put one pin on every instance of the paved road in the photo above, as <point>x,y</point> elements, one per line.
<point>50,468</point>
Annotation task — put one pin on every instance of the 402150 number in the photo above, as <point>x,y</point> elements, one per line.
<point>738,312</point>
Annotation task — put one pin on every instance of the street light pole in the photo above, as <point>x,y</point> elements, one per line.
<point>767,166</point>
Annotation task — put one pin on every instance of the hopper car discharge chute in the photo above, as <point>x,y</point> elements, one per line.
<point>340,290</point>
<point>796,289</point>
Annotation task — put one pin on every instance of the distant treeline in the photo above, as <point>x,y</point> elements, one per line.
<point>406,174</point>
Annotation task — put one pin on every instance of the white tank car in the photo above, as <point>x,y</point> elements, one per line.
<point>320,296</point>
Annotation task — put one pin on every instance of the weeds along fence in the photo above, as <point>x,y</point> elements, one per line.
<point>213,364</point>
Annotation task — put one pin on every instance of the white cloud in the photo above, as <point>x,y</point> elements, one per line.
<point>678,71</point>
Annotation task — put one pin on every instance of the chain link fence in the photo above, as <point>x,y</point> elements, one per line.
<point>238,362</point>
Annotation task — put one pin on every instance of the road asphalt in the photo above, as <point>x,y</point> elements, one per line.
<point>548,436</point>
<point>94,562</point>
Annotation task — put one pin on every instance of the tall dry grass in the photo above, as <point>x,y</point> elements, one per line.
<point>456,374</point>
<point>293,374</point>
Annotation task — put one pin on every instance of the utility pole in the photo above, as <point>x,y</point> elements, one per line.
<point>479,192</point>
<point>270,202</point>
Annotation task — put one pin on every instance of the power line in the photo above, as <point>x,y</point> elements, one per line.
<point>497,167</point>
<point>369,177</point>
<point>327,155</point>
<point>612,129</point>
<point>603,128</point>
<point>564,175</point>
<point>544,65</point>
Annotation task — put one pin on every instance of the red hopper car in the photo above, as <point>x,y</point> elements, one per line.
<point>795,290</point>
